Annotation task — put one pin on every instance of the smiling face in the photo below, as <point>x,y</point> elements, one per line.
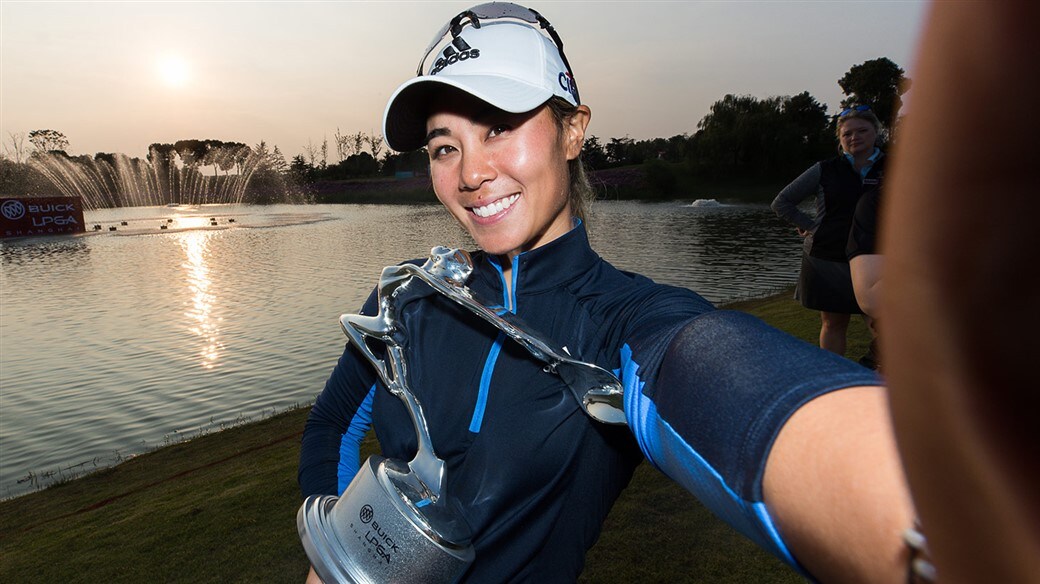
<point>503,176</point>
<point>857,136</point>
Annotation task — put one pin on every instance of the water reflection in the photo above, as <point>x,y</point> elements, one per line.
<point>147,334</point>
<point>200,314</point>
<point>723,252</point>
<point>63,248</point>
<point>190,221</point>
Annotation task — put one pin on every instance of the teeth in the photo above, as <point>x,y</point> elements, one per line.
<point>496,207</point>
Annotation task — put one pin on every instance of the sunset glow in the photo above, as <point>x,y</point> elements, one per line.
<point>174,71</point>
<point>285,72</point>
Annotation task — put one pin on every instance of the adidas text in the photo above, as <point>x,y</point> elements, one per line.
<point>455,58</point>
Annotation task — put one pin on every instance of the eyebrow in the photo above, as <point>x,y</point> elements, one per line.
<point>436,132</point>
<point>479,117</point>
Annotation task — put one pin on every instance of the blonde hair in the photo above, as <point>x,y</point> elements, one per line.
<point>867,115</point>
<point>580,194</point>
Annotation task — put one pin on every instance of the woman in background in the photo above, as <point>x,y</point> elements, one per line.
<point>824,283</point>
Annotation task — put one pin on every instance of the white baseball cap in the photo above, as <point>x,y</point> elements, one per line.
<point>510,65</point>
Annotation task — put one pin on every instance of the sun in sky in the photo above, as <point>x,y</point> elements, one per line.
<point>174,71</point>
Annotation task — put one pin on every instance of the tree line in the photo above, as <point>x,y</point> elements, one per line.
<point>741,136</point>
<point>745,136</point>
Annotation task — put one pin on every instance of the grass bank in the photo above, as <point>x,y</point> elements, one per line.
<point>222,508</point>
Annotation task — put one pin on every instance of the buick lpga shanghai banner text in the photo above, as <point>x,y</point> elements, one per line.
<point>24,216</point>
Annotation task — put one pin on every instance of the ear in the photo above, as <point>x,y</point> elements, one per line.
<point>574,131</point>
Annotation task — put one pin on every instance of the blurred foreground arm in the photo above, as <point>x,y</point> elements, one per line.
<point>962,288</point>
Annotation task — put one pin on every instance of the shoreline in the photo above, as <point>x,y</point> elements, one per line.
<point>628,183</point>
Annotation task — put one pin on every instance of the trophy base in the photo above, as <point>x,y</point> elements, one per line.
<point>376,533</point>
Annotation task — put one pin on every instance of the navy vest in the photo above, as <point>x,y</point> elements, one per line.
<point>842,189</point>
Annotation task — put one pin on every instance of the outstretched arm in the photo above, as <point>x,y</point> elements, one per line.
<point>961,286</point>
<point>836,489</point>
<point>788,443</point>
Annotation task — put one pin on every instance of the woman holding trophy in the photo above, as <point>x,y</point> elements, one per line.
<point>789,444</point>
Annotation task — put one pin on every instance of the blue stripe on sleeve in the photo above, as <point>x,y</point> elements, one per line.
<point>350,443</point>
<point>672,455</point>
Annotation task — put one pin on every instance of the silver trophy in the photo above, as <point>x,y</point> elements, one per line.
<point>394,523</point>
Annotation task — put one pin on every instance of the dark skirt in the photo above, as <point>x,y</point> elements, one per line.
<point>826,286</point>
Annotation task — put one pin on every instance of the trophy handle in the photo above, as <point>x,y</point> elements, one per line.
<point>429,469</point>
<point>599,393</point>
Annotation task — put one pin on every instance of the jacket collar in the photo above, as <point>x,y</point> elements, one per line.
<point>554,264</point>
<point>877,153</point>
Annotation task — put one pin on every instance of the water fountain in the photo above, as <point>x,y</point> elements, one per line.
<point>223,176</point>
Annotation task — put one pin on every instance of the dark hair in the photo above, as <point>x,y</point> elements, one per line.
<point>580,195</point>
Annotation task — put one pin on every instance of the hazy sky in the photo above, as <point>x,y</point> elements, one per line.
<point>118,76</point>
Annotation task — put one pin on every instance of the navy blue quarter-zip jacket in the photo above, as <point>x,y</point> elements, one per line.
<point>532,474</point>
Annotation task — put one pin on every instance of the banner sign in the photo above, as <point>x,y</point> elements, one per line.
<point>27,216</point>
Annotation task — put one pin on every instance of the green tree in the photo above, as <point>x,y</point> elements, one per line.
<point>622,151</point>
<point>375,144</point>
<point>192,152</point>
<point>48,141</point>
<point>807,114</point>
<point>743,135</point>
<point>678,146</point>
<point>360,164</point>
<point>265,158</point>
<point>660,178</point>
<point>159,153</point>
<point>232,155</point>
<point>21,179</point>
<point>270,178</point>
<point>813,134</point>
<point>736,135</point>
<point>878,83</point>
<point>416,162</point>
<point>592,153</point>
<point>301,170</point>
<point>15,151</point>
<point>357,143</point>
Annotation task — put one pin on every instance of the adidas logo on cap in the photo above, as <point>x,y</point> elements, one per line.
<point>458,50</point>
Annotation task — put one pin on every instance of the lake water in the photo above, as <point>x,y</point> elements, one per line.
<point>117,342</point>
